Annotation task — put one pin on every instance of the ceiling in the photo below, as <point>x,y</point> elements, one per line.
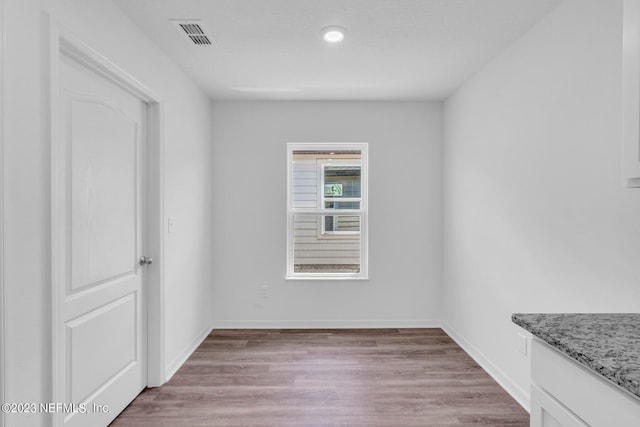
<point>394,49</point>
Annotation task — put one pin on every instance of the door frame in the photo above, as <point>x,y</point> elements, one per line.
<point>3,377</point>
<point>62,42</point>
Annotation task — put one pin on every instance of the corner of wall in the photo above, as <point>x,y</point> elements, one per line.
<point>173,366</point>
<point>521,396</point>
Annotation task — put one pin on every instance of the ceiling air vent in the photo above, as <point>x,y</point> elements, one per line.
<point>194,31</point>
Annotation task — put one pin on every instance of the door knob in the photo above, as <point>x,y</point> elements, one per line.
<point>144,260</point>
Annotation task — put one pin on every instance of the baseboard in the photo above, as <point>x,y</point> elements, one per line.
<point>326,324</point>
<point>173,367</point>
<point>520,395</point>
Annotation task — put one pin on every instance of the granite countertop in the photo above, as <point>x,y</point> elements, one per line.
<point>608,344</point>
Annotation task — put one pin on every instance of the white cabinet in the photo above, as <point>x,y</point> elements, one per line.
<point>548,412</point>
<point>631,94</point>
<point>566,394</point>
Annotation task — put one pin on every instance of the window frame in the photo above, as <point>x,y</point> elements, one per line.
<point>322,199</point>
<point>363,212</point>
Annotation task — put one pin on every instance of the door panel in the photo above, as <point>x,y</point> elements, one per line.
<point>103,307</point>
<point>116,324</point>
<point>103,192</point>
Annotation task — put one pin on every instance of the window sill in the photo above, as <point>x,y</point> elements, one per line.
<point>326,277</point>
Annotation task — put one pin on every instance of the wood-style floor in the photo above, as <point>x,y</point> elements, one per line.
<point>370,377</point>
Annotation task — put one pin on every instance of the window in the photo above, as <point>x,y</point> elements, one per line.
<point>327,211</point>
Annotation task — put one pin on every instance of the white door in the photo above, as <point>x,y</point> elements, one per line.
<point>103,308</point>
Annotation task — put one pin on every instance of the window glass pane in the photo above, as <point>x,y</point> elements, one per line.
<point>304,182</point>
<point>314,254</point>
<point>341,224</point>
<point>342,181</point>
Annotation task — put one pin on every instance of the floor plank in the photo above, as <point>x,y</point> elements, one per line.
<point>344,377</point>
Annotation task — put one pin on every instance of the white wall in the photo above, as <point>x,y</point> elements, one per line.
<point>249,215</point>
<point>26,184</point>
<point>535,217</point>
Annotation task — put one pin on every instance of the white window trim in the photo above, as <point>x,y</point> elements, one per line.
<point>363,212</point>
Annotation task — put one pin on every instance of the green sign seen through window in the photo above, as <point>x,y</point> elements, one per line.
<point>331,190</point>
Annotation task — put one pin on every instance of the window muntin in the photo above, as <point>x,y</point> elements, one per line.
<point>327,178</point>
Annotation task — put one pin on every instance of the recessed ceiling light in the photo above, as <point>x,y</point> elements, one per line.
<point>333,34</point>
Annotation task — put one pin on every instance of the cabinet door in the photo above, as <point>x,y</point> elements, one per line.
<point>548,412</point>
<point>631,94</point>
